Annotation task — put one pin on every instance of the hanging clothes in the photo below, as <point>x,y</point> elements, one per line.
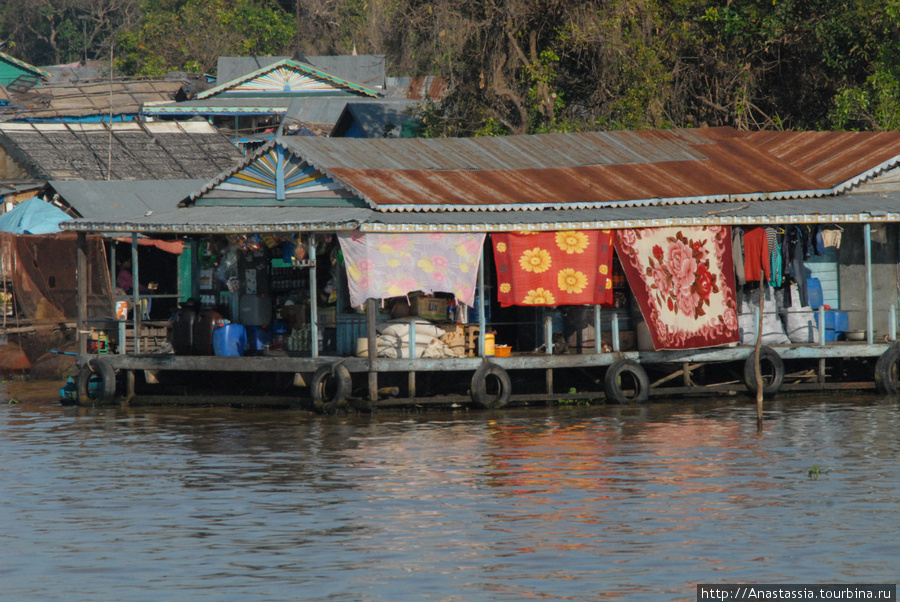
<point>756,254</point>
<point>737,255</point>
<point>798,240</point>
<point>832,238</point>
<point>775,262</point>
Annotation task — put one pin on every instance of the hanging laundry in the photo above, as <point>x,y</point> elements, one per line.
<point>683,281</point>
<point>772,239</point>
<point>737,254</point>
<point>831,238</point>
<point>797,241</point>
<point>756,254</point>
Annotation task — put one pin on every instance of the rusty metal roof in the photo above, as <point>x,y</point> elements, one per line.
<point>838,159</point>
<point>556,170</point>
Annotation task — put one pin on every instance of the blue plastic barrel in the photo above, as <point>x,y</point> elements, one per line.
<point>230,340</point>
<point>258,338</point>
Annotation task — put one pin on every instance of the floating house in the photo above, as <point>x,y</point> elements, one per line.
<point>255,94</point>
<point>526,268</point>
<point>18,75</point>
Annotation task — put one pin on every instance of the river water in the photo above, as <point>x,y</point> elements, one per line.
<point>562,502</point>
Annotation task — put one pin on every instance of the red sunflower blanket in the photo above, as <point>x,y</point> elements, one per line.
<point>572,267</point>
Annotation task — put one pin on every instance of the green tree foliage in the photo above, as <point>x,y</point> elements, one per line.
<point>519,66</point>
<point>191,35</point>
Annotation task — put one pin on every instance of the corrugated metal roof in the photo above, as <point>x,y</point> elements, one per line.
<point>835,158</point>
<point>489,153</point>
<point>855,208</point>
<point>421,88</point>
<point>554,170</point>
<point>222,220</point>
<point>140,150</point>
<point>122,199</point>
<point>315,110</point>
<point>366,69</point>
<point>290,64</point>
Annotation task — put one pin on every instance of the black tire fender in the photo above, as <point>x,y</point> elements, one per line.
<point>96,369</point>
<point>484,398</point>
<point>331,385</point>
<point>887,371</point>
<point>612,382</point>
<point>769,362</point>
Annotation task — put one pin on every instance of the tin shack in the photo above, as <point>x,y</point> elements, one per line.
<point>370,272</point>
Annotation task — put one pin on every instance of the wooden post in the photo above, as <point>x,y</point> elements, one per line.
<point>82,288</point>
<point>371,320</point>
<point>412,355</point>
<point>758,372</point>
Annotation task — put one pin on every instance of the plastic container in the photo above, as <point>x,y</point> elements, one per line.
<point>502,350</point>
<point>204,328</point>
<point>489,345</point>
<point>183,331</point>
<point>258,338</point>
<point>255,310</point>
<point>230,340</point>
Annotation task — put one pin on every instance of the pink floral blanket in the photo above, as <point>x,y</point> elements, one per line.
<point>683,279</point>
<point>391,265</point>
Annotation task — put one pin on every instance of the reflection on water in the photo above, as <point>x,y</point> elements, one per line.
<point>559,502</point>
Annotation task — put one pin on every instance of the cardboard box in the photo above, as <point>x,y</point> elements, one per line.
<point>326,317</point>
<point>430,308</point>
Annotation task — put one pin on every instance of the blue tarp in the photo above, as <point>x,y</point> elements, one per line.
<point>33,216</point>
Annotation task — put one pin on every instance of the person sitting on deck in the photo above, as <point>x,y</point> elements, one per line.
<point>125,279</point>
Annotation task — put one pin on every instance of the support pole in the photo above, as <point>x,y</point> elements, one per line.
<point>135,292</point>
<point>412,355</point>
<point>615,332</point>
<point>482,320</point>
<point>821,311</point>
<point>548,335</point>
<point>870,332</point>
<point>892,324</point>
<point>313,300</point>
<point>757,371</point>
<point>598,341</point>
<point>548,345</point>
<point>82,288</point>
<point>372,336</point>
